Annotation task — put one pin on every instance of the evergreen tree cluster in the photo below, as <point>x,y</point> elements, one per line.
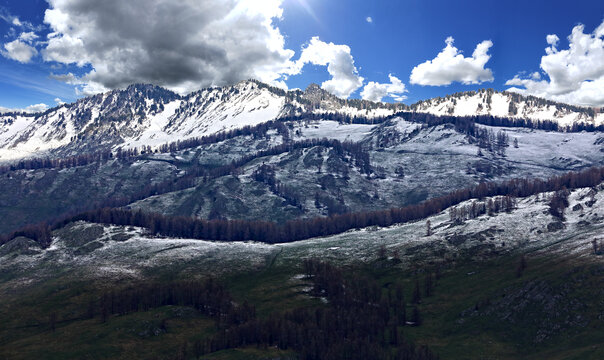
<point>491,141</point>
<point>362,321</point>
<point>558,203</point>
<point>266,174</point>
<point>208,297</point>
<point>477,208</point>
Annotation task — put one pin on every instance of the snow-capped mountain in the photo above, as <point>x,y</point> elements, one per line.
<point>138,115</point>
<point>507,104</point>
<point>146,115</point>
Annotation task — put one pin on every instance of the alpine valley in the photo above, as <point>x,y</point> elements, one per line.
<point>249,222</point>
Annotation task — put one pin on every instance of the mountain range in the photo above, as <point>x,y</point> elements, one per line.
<point>146,115</point>
<point>140,224</point>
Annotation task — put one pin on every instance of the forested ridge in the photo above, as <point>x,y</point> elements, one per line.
<point>110,210</point>
<point>354,151</point>
<point>464,124</point>
<point>295,230</point>
<point>459,121</point>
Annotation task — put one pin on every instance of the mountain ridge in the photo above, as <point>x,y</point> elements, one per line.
<point>149,115</point>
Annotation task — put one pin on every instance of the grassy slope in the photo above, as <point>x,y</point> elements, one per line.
<point>25,333</point>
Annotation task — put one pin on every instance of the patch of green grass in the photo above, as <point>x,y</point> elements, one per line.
<point>134,336</point>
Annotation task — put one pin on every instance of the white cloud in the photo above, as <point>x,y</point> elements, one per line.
<point>552,39</point>
<point>58,101</point>
<point>36,108</point>
<point>576,74</point>
<point>28,37</point>
<point>369,19</point>
<point>451,66</point>
<point>30,109</point>
<point>19,51</point>
<point>340,64</point>
<point>374,91</point>
<point>183,45</point>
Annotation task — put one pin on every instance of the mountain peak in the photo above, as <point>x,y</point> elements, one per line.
<point>313,87</point>
<point>315,94</point>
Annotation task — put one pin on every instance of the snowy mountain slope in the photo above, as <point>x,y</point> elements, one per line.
<point>140,115</point>
<point>409,163</point>
<point>145,115</point>
<point>506,104</point>
<point>88,250</point>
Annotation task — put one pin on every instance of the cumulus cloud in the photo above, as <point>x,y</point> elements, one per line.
<point>576,74</point>
<point>30,109</point>
<point>374,91</point>
<point>36,108</point>
<point>369,19</point>
<point>345,78</point>
<point>182,45</point>
<point>552,39</point>
<point>28,37</point>
<point>451,66</point>
<point>19,51</point>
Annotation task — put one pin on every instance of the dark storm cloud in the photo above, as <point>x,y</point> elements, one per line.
<point>183,45</point>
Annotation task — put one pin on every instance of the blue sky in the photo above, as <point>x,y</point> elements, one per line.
<point>401,36</point>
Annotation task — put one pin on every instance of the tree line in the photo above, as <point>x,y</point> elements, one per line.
<point>355,151</point>
<point>301,229</point>
<point>208,297</point>
<point>462,123</point>
<point>489,120</point>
